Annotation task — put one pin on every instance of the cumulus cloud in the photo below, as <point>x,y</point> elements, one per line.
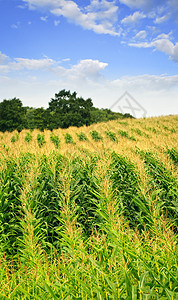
<point>44,19</point>
<point>142,4</point>
<point>24,63</point>
<point>162,19</point>
<point>56,22</point>
<point>157,94</point>
<point>162,44</point>
<point>141,34</point>
<point>86,70</point>
<point>15,26</point>
<point>134,18</point>
<point>31,64</point>
<point>99,16</point>
<point>3,58</point>
<point>148,82</point>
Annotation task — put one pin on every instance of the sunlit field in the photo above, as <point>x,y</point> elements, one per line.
<point>90,212</point>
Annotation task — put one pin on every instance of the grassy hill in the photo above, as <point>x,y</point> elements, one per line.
<point>90,212</point>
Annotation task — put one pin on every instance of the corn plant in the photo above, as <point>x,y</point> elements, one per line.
<point>68,138</point>
<point>90,224</point>
<point>41,140</point>
<point>126,135</point>
<point>28,137</point>
<point>173,154</point>
<point>55,140</point>
<point>82,136</point>
<point>96,136</point>
<point>14,138</point>
<point>112,136</point>
<point>165,183</point>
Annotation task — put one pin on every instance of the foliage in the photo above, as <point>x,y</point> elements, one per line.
<point>37,118</point>
<point>165,183</point>
<point>103,115</point>
<point>89,222</point>
<point>112,136</point>
<point>173,154</point>
<point>126,135</point>
<point>14,138</point>
<point>68,138</point>
<point>28,137</point>
<point>82,136</point>
<point>55,140</point>
<point>96,136</point>
<point>41,140</point>
<point>66,109</point>
<point>12,115</point>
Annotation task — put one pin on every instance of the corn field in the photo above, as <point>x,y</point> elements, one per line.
<point>90,212</point>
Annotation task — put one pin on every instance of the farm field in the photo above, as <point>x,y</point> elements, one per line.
<point>90,212</point>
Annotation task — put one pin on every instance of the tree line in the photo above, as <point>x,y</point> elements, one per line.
<point>64,110</point>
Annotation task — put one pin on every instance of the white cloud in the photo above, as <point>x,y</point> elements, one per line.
<point>56,22</point>
<point>15,26</point>
<point>166,46</point>
<point>156,93</point>
<point>162,44</point>
<point>134,18</point>
<point>3,58</point>
<point>25,63</point>
<point>142,4</point>
<point>148,82</point>
<point>164,36</point>
<point>99,16</point>
<point>85,70</point>
<point>162,19</point>
<point>141,34</point>
<point>66,59</point>
<point>44,19</point>
<point>31,64</point>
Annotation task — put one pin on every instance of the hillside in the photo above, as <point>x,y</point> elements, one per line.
<point>90,212</point>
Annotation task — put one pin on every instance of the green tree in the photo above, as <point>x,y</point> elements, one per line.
<point>38,118</point>
<point>104,115</point>
<point>12,115</point>
<point>66,109</point>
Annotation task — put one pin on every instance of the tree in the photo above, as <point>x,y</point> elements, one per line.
<point>104,115</point>
<point>67,109</point>
<point>37,118</point>
<point>12,115</point>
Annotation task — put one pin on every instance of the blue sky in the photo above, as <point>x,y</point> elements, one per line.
<point>98,48</point>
